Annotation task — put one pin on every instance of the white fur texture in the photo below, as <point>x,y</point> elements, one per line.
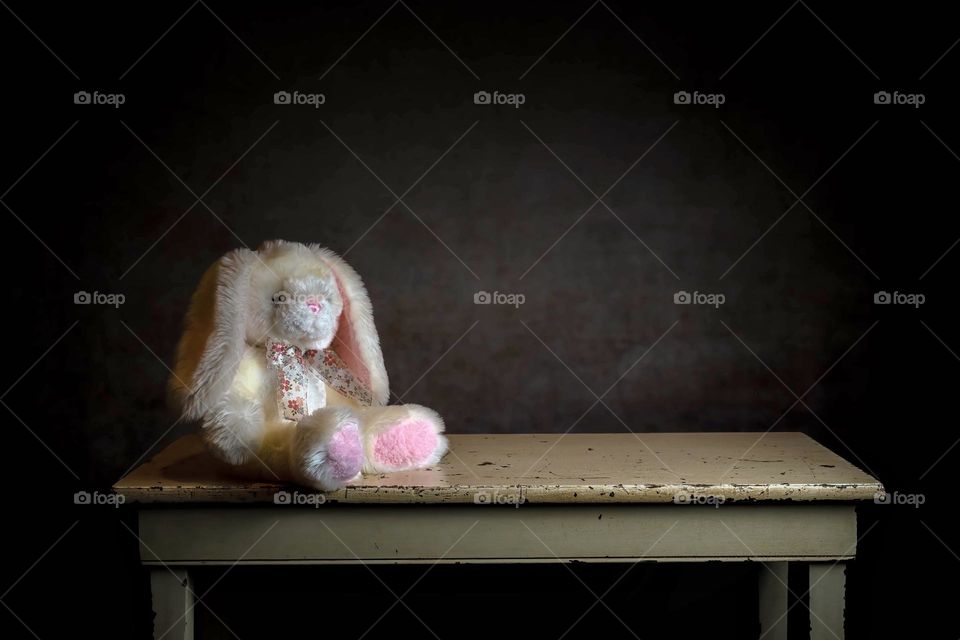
<point>309,454</point>
<point>213,340</point>
<point>232,429</point>
<point>303,294</point>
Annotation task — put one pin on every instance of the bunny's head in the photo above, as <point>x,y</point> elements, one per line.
<point>299,294</point>
<point>305,310</point>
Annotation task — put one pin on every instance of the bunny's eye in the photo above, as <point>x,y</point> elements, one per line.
<point>281,297</point>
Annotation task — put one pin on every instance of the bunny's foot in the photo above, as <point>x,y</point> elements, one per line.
<point>327,451</point>
<point>400,438</point>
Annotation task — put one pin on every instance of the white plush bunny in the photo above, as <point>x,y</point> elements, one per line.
<point>281,362</point>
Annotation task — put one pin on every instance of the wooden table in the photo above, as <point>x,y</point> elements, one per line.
<point>662,497</point>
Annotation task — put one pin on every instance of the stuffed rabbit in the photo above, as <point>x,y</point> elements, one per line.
<point>281,362</point>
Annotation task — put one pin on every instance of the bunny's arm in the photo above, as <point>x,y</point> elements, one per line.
<point>234,426</point>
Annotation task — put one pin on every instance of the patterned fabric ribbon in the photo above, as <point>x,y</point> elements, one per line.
<point>296,369</point>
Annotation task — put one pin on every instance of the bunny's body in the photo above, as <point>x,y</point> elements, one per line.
<point>281,362</point>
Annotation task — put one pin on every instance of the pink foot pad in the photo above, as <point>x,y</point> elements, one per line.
<point>345,453</point>
<point>408,444</point>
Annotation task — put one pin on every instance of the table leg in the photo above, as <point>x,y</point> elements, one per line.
<point>827,585</point>
<point>173,603</point>
<point>773,600</point>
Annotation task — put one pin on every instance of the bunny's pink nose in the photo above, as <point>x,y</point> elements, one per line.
<point>313,306</point>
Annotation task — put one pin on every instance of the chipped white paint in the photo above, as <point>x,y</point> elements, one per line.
<point>533,468</point>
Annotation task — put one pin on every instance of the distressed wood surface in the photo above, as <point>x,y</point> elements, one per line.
<point>546,468</point>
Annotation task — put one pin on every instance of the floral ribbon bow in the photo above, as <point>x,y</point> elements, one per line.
<point>296,369</point>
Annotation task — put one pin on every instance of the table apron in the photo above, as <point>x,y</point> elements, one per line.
<point>333,534</point>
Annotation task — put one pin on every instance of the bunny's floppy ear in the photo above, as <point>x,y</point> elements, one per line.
<point>213,341</point>
<point>357,342</point>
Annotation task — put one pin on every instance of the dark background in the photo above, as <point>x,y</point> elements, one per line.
<point>102,208</point>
